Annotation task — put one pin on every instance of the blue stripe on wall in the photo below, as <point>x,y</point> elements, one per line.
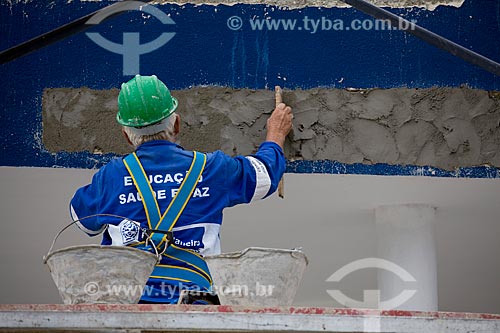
<point>205,51</point>
<point>333,167</point>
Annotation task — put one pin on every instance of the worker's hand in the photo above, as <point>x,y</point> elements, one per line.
<point>279,124</point>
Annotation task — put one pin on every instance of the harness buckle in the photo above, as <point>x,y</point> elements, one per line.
<point>168,241</point>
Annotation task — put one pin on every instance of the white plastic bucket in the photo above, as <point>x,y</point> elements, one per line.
<point>257,276</point>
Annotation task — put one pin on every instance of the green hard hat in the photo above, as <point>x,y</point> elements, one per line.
<point>143,101</point>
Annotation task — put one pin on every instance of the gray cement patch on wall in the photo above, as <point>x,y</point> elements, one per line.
<point>441,127</point>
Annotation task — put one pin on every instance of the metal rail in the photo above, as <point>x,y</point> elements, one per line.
<point>68,30</point>
<point>426,35</point>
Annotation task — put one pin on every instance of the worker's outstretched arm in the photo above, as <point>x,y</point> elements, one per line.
<point>257,176</point>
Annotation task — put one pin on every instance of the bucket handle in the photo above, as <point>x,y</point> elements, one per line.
<point>146,232</point>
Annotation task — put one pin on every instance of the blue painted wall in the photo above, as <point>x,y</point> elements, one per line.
<point>205,51</point>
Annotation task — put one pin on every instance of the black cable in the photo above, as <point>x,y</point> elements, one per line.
<point>68,30</point>
<point>426,35</point>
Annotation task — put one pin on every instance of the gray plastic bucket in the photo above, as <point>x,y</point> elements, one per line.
<point>257,276</point>
<point>100,274</point>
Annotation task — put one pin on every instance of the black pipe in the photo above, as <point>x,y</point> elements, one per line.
<point>68,30</point>
<point>426,35</point>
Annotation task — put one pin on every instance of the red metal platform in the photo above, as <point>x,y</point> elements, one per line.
<point>197,318</point>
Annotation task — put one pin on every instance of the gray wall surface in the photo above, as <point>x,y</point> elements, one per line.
<point>441,127</point>
<point>330,216</point>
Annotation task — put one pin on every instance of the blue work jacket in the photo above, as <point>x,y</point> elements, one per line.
<point>225,182</point>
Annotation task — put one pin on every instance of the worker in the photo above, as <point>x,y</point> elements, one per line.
<point>181,193</point>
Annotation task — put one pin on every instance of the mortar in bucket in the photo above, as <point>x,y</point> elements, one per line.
<point>257,276</point>
<point>100,274</point>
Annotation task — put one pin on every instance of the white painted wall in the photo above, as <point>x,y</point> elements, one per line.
<point>406,237</point>
<point>332,217</point>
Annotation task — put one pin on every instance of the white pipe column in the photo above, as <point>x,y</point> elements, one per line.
<point>406,238</point>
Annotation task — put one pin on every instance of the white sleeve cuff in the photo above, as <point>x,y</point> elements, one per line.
<point>263,181</point>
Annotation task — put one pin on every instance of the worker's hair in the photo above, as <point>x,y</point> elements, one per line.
<point>167,133</point>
